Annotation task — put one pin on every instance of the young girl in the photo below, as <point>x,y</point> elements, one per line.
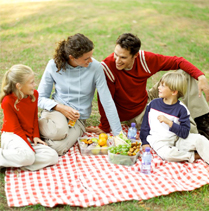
<point>20,142</point>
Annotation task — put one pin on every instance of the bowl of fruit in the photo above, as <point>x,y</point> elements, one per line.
<point>95,145</point>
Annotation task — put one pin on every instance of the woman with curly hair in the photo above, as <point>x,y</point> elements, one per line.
<point>75,75</point>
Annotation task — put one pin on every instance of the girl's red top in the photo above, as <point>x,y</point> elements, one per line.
<point>22,121</point>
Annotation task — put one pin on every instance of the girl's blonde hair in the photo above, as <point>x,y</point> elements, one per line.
<point>176,82</point>
<point>16,74</point>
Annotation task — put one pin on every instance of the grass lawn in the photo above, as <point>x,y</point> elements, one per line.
<point>29,31</point>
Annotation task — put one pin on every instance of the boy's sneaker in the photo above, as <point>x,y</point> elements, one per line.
<point>203,125</point>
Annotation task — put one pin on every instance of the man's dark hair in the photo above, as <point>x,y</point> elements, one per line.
<point>130,42</point>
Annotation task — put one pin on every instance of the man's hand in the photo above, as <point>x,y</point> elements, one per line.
<point>96,130</point>
<point>203,86</point>
<point>69,112</point>
<point>37,140</point>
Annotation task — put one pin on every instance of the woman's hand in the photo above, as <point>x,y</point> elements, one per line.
<point>69,112</point>
<point>37,140</point>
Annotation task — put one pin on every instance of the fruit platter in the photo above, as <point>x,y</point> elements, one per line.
<point>120,149</point>
<point>95,145</point>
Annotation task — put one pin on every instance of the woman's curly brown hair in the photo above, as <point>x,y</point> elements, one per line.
<point>75,45</point>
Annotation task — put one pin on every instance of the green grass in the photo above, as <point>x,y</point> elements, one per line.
<point>29,32</point>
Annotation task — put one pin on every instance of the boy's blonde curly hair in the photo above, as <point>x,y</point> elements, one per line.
<point>176,82</point>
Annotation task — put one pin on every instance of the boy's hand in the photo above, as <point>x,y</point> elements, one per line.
<point>162,118</point>
<point>144,146</point>
<point>37,140</point>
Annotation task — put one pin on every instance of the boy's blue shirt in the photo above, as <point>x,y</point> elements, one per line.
<point>178,113</point>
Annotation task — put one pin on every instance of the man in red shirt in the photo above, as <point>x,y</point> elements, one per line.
<point>127,71</point>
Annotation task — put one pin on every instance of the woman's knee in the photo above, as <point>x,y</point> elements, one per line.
<point>53,129</point>
<point>61,147</point>
<point>52,157</point>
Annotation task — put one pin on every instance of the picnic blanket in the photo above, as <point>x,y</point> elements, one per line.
<point>92,181</point>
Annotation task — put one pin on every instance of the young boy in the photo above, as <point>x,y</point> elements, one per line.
<point>166,124</point>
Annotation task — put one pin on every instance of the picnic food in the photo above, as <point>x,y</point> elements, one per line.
<point>129,150</point>
<point>102,141</point>
<point>121,139</point>
<point>104,149</point>
<point>124,154</point>
<point>94,140</point>
<point>93,146</point>
<point>103,135</point>
<point>71,123</point>
<point>87,141</point>
<point>96,150</point>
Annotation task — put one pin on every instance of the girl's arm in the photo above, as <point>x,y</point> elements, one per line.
<point>35,123</point>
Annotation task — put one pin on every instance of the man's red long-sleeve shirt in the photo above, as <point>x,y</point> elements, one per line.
<point>22,121</point>
<point>128,88</point>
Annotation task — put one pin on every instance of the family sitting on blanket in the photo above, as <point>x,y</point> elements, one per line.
<point>122,96</point>
<point>21,145</point>
<point>165,126</point>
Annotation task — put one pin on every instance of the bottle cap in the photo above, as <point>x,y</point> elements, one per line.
<point>133,124</point>
<point>147,149</point>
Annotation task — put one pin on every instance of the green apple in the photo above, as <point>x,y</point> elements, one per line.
<point>96,150</point>
<point>94,140</point>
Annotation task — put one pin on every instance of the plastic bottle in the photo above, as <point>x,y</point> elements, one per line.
<point>71,123</point>
<point>146,161</point>
<point>132,131</point>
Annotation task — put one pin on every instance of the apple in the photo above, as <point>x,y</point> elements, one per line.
<point>96,150</point>
<point>94,140</point>
<point>104,151</point>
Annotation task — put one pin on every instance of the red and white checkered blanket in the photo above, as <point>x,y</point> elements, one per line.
<point>92,181</point>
